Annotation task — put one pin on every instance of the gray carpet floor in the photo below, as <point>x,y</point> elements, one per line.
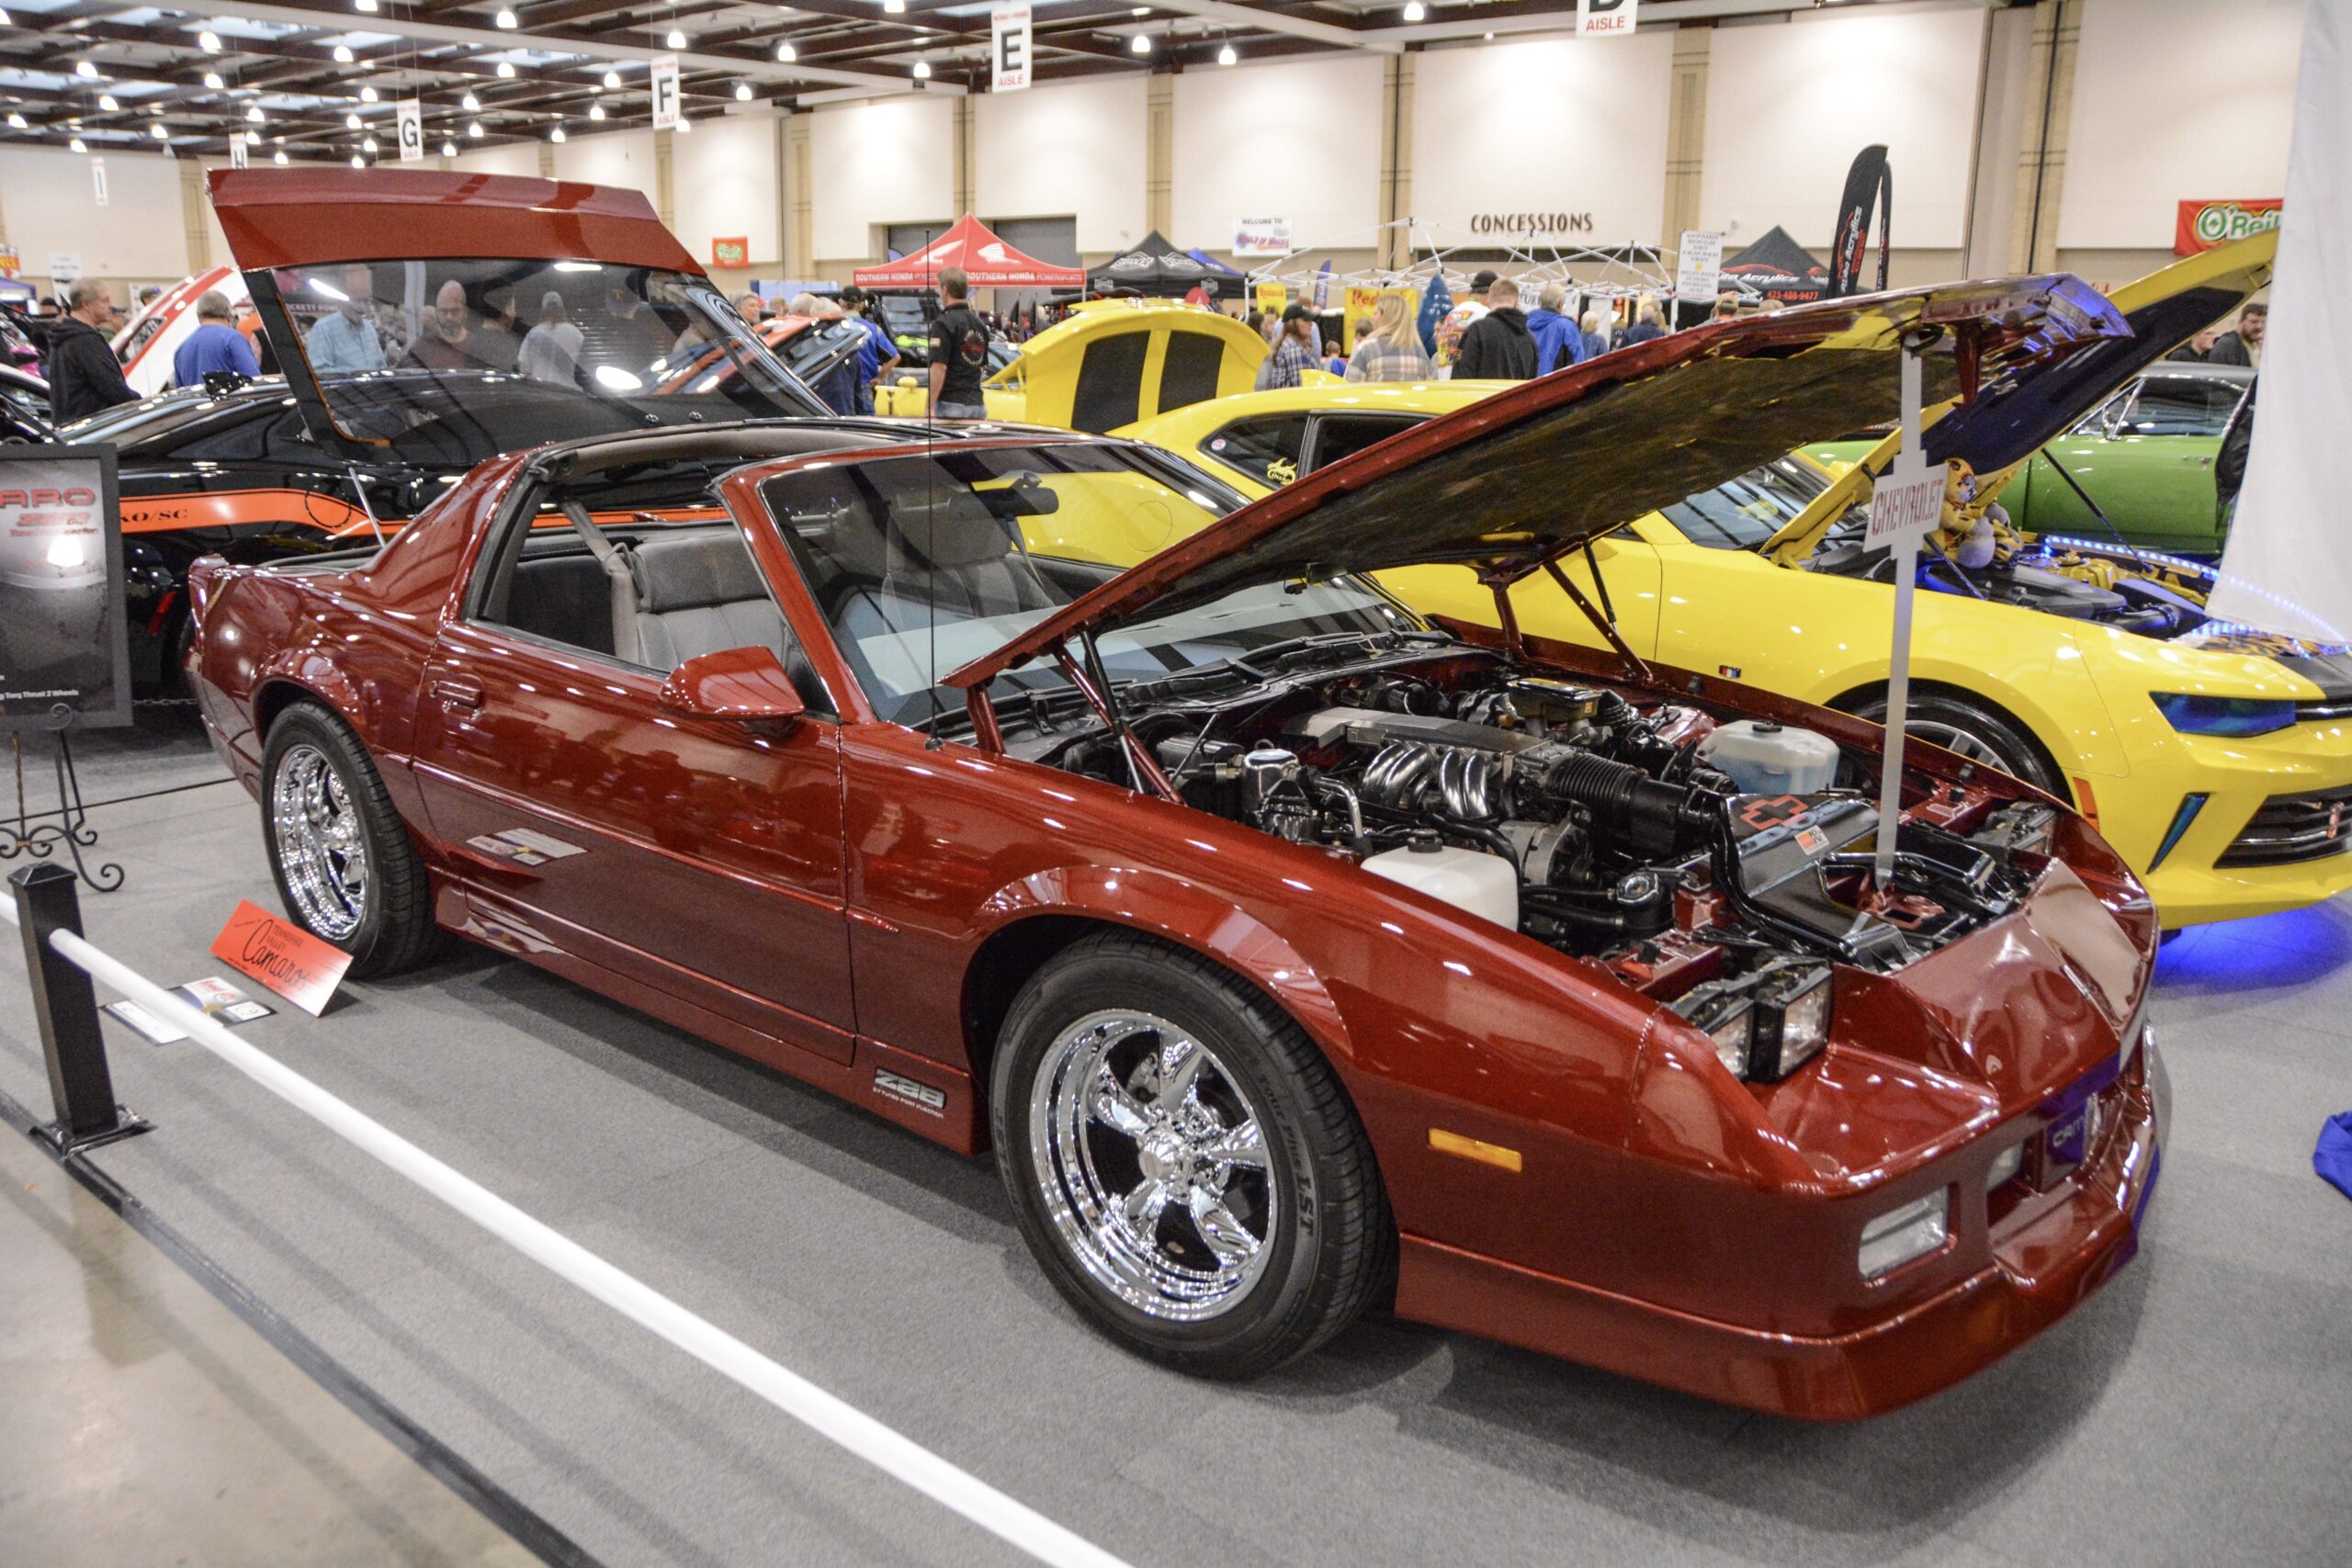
<point>2200,1410</point>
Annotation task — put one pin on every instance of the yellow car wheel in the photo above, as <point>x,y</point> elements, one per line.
<point>1971,727</point>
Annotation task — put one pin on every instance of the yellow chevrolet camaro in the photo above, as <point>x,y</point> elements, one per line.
<point>2218,761</point>
<point>1107,363</point>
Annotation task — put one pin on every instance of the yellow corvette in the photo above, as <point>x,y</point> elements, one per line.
<point>1108,363</point>
<point>2218,761</point>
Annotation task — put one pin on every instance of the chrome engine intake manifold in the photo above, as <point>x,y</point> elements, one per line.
<point>1459,783</point>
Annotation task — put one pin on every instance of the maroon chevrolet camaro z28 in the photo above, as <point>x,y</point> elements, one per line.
<point>1296,957</point>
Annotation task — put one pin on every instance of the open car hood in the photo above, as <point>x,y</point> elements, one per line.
<point>1519,480</point>
<point>566,256</point>
<point>2165,308</point>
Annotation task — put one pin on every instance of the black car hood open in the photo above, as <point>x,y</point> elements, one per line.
<point>1511,482</point>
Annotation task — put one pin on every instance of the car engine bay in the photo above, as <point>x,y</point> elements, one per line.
<point>1714,864</point>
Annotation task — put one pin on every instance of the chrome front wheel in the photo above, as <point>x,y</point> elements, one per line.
<point>1152,1164</point>
<point>320,842</point>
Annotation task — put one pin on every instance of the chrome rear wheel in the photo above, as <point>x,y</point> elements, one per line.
<point>320,842</point>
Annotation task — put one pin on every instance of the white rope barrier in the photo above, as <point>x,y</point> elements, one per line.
<point>880,1446</point>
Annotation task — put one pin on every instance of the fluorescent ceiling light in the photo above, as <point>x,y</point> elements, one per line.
<point>922,70</point>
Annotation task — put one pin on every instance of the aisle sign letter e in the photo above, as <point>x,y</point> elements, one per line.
<point>1009,33</point>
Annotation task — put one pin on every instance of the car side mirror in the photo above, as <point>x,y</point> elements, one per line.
<point>742,683</point>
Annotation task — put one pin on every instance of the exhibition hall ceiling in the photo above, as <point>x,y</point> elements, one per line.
<point>319,78</point>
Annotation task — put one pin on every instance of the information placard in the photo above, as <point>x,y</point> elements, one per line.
<point>286,958</point>
<point>1699,266</point>
<point>1906,502</point>
<point>64,651</point>
<point>1262,236</point>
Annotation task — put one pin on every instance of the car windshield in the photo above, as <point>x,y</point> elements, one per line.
<point>925,562</point>
<point>1741,513</point>
<point>549,350</point>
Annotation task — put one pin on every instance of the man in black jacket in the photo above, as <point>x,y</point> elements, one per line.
<point>1496,346</point>
<point>85,377</point>
<point>2242,346</point>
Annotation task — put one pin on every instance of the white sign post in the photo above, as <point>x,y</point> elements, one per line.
<point>1905,502</point>
<point>1009,47</point>
<point>1699,266</point>
<point>664,83</point>
<point>411,123</point>
<point>1606,18</point>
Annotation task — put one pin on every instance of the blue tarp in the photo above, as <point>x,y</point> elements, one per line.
<point>2333,1158</point>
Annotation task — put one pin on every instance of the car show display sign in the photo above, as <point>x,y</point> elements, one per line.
<point>733,251</point>
<point>286,958</point>
<point>1009,49</point>
<point>664,84</point>
<point>1606,18</point>
<point>65,267</point>
<point>64,644</point>
<point>1699,266</point>
<point>411,124</point>
<point>1273,296</point>
<point>2205,224</point>
<point>1262,236</point>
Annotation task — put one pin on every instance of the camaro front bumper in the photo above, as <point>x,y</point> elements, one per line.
<point>2049,1253</point>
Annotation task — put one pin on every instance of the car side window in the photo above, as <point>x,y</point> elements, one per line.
<point>1269,448</point>
<point>1338,435</point>
<point>648,595</point>
<point>2096,421</point>
<point>2179,405</point>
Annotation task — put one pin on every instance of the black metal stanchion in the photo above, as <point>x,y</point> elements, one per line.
<point>67,1008</point>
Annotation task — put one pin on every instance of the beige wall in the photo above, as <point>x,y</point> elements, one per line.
<point>2164,103</point>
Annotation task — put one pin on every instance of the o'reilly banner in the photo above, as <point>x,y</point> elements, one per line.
<point>2205,224</point>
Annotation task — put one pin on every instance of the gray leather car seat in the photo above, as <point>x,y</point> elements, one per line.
<point>701,592</point>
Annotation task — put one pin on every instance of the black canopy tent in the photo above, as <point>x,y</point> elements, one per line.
<point>1159,269</point>
<point>1777,267</point>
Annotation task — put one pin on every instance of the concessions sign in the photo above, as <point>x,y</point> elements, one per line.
<point>2205,224</point>
<point>64,650</point>
<point>286,958</point>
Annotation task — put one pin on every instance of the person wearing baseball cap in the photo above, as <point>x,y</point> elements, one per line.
<point>1299,347</point>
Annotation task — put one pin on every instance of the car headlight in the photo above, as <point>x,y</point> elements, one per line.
<point>1791,1020</point>
<point>1899,1236</point>
<point>1730,1035</point>
<point>2224,715</point>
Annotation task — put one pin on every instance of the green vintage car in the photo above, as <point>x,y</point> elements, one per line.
<point>2145,457</point>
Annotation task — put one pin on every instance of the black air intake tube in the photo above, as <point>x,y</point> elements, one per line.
<point>1652,818</point>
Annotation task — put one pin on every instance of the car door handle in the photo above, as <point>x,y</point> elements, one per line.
<point>2200,462</point>
<point>457,691</point>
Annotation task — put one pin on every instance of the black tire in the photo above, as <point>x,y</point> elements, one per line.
<point>391,928</point>
<point>1328,1250</point>
<point>2006,743</point>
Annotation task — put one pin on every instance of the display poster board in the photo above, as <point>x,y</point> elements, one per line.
<point>1009,51</point>
<point>1699,266</point>
<point>63,643</point>
<point>1262,236</point>
<point>1606,18</point>
<point>663,83</point>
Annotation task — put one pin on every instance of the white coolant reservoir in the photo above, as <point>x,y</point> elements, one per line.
<point>1485,884</point>
<point>1764,758</point>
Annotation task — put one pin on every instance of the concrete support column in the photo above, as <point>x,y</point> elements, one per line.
<point>2047,106</point>
<point>799,206</point>
<point>1159,152</point>
<point>1396,76</point>
<point>2007,82</point>
<point>965,138</point>
<point>195,203</point>
<point>665,180</point>
<point>1686,131</point>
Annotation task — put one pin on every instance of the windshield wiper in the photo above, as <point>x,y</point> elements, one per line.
<point>1291,653</point>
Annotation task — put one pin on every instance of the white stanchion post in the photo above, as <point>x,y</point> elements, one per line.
<point>1906,470</point>
<point>886,1449</point>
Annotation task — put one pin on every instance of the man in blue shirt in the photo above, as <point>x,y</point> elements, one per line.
<point>878,354</point>
<point>214,345</point>
<point>1558,343</point>
<point>347,340</point>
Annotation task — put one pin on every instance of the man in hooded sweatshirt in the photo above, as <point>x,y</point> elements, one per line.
<point>1496,346</point>
<point>1558,343</point>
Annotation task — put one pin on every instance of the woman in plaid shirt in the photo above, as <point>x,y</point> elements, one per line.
<point>1299,348</point>
<point>1391,350</point>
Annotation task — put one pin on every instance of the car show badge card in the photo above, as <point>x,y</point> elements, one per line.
<point>286,959</point>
